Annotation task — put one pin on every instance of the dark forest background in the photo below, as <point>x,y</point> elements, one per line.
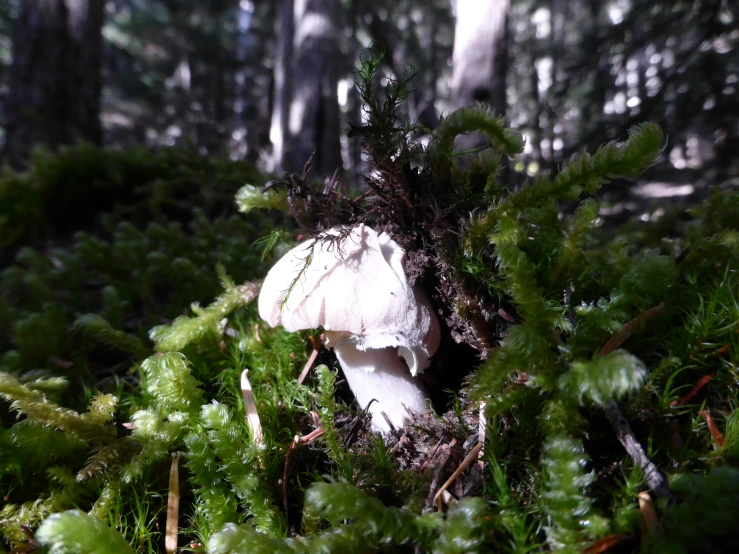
<point>270,81</point>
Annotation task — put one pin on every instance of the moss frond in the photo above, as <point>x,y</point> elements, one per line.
<point>169,380</point>
<point>563,496</point>
<point>240,465</point>
<point>75,532</point>
<point>93,327</point>
<point>33,404</point>
<point>603,379</point>
<point>207,321</point>
<point>477,118</point>
<point>250,197</point>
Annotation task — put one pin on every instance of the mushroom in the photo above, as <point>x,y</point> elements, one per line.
<point>352,283</point>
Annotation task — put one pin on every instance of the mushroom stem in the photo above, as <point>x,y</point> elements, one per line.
<point>381,375</point>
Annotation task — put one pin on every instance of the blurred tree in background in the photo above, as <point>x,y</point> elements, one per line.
<point>480,57</point>
<point>55,76</point>
<point>272,81</point>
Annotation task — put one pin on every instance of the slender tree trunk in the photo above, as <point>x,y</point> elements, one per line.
<point>282,82</point>
<point>355,101</point>
<point>314,122</point>
<point>55,78</point>
<point>480,59</point>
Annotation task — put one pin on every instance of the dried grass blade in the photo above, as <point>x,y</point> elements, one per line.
<point>173,507</point>
<point>630,327</point>
<point>252,416</point>
<point>457,472</point>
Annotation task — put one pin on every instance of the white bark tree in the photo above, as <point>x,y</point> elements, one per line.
<point>306,116</point>
<point>480,59</point>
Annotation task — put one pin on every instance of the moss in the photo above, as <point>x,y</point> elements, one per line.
<point>109,367</point>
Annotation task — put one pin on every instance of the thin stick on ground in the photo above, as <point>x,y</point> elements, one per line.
<point>630,327</point>
<point>605,544</point>
<point>308,365</point>
<point>472,456</point>
<point>288,459</point>
<point>297,439</point>
<point>652,476</point>
<point>654,479</point>
<point>252,416</point>
<point>431,457</point>
<point>173,507</point>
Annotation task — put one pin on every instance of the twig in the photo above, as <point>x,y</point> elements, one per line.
<point>654,479</point>
<point>446,452</point>
<point>297,439</point>
<point>605,544</point>
<point>630,327</point>
<point>308,365</point>
<point>288,459</point>
<point>252,416</point>
<point>173,507</point>
<point>431,457</point>
<point>30,545</point>
<point>313,435</point>
<point>359,422</point>
<point>457,472</point>
<point>389,423</point>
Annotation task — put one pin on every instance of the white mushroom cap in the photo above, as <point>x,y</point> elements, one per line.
<point>357,285</point>
<point>352,283</point>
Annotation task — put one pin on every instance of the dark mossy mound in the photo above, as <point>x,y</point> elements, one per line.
<point>68,191</point>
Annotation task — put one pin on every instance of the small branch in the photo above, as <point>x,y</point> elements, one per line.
<point>605,544</point>
<point>173,507</point>
<point>311,360</point>
<point>472,456</point>
<point>313,435</point>
<point>431,457</point>
<point>297,439</point>
<point>285,471</point>
<point>446,452</point>
<point>482,424</point>
<point>654,479</point>
<point>630,327</point>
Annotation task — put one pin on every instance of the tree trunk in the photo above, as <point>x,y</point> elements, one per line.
<point>282,83</point>
<point>55,78</point>
<point>480,59</point>
<point>314,122</point>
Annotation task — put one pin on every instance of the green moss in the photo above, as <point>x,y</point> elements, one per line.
<point>126,336</point>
